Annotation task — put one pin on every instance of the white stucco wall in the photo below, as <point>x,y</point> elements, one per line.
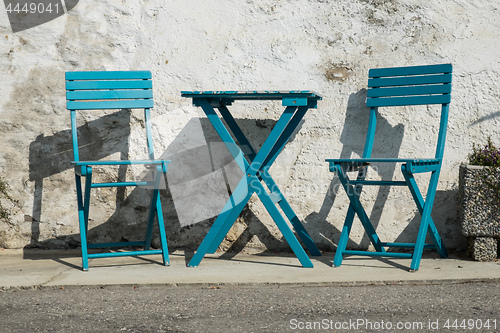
<point>325,46</point>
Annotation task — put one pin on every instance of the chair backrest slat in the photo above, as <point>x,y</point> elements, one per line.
<point>385,81</point>
<point>108,75</point>
<point>410,70</point>
<point>409,100</point>
<point>101,105</point>
<point>416,85</point>
<point>93,90</point>
<point>125,84</point>
<point>108,94</point>
<point>410,90</point>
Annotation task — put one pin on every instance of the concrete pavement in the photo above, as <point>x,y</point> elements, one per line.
<point>31,268</point>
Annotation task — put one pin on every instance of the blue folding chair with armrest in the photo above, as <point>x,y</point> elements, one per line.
<point>104,90</point>
<point>392,87</point>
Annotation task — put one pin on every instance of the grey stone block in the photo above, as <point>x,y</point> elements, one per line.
<point>479,211</point>
<point>484,248</point>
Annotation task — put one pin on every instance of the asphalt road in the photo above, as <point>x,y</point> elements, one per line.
<point>471,307</point>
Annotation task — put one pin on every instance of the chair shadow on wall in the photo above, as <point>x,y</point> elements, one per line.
<point>445,205</point>
<point>352,139</point>
<point>51,155</point>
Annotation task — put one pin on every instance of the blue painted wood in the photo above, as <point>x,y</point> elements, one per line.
<point>379,182</point>
<point>124,254</point>
<point>410,90</point>
<point>114,245</point>
<point>256,167</point>
<point>86,197</point>
<point>378,254</point>
<point>253,95</point>
<point>390,87</point>
<point>74,136</point>
<point>354,192</point>
<point>443,128</point>
<point>384,160</point>
<point>123,104</point>
<point>106,85</point>
<point>411,70</point>
<point>108,94</point>
<point>243,142</point>
<point>281,223</point>
<point>281,130</point>
<point>295,101</point>
<point>420,202</point>
<point>285,137</point>
<point>288,98</point>
<point>289,213</point>
<point>149,134</point>
<point>108,75</point>
<point>120,162</point>
<point>121,184</point>
<point>223,222</point>
<point>410,100</point>
<point>81,223</point>
<point>409,80</point>
<point>114,90</point>
<point>344,236</point>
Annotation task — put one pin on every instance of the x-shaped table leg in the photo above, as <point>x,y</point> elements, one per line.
<point>256,172</point>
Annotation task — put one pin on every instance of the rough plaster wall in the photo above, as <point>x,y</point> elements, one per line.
<point>326,46</point>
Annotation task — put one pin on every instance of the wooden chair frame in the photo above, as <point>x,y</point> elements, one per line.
<point>100,90</point>
<point>392,87</point>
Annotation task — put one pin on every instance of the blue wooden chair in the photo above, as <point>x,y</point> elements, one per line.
<point>392,87</point>
<point>100,90</point>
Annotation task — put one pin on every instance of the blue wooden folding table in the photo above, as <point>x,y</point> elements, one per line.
<point>255,165</point>
<point>107,90</point>
<point>395,87</point>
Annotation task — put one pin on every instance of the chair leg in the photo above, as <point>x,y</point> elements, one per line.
<point>163,236</point>
<point>424,224</point>
<point>151,219</point>
<point>344,237</point>
<point>86,202</point>
<point>82,223</point>
<point>419,201</point>
<point>353,192</point>
<point>437,239</point>
<point>155,209</point>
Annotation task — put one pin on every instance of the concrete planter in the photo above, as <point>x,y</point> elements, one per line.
<point>479,210</point>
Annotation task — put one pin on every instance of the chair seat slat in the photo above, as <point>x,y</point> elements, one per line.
<point>108,75</point>
<point>108,94</point>
<point>409,100</point>
<point>409,80</point>
<point>411,70</point>
<point>409,91</point>
<point>123,104</point>
<point>120,162</point>
<point>103,85</point>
